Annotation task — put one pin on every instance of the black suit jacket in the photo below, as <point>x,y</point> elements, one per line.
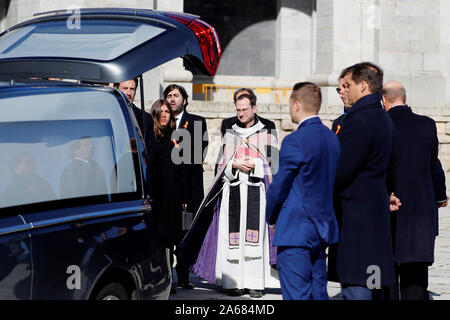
<point>361,198</point>
<point>197,130</point>
<point>418,181</point>
<point>149,134</point>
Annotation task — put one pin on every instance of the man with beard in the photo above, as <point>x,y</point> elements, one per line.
<point>192,136</point>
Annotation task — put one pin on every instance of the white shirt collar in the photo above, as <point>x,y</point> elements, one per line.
<point>306,119</point>
<point>178,119</point>
<point>81,159</point>
<point>247,132</point>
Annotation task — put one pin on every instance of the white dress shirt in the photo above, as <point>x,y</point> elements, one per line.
<point>178,119</point>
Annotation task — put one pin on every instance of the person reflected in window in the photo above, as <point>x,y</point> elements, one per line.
<point>168,178</point>
<point>83,176</point>
<point>26,185</point>
<point>123,174</point>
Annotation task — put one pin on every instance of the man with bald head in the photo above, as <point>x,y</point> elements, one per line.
<point>417,178</point>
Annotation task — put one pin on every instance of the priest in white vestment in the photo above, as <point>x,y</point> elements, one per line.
<point>242,259</point>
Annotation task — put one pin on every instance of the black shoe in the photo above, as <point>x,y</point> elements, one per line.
<point>186,285</point>
<point>237,292</point>
<point>255,293</point>
<point>173,291</point>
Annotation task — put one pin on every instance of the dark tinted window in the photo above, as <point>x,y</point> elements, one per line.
<point>63,145</point>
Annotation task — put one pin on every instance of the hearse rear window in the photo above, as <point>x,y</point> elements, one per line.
<point>94,39</point>
<point>63,145</point>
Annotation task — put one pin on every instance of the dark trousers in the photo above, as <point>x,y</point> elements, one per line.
<point>182,271</point>
<point>302,272</point>
<point>411,282</point>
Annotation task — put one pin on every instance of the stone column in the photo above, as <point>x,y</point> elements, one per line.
<point>445,44</point>
<point>294,44</point>
<point>403,37</point>
<point>410,49</point>
<point>346,33</point>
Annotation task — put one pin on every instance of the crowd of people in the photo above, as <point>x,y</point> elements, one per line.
<point>357,204</point>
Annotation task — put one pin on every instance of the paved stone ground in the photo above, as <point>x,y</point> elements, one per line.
<point>439,275</point>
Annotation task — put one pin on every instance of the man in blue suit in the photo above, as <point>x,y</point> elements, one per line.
<point>300,199</point>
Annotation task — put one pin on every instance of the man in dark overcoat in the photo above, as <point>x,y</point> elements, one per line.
<point>192,136</point>
<point>418,180</point>
<point>362,261</point>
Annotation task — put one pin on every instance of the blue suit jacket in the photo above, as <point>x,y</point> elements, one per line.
<point>301,194</point>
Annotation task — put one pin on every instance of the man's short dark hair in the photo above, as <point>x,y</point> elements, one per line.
<point>343,73</point>
<point>252,99</point>
<point>309,94</point>
<point>368,72</point>
<point>116,85</point>
<point>180,88</point>
<point>250,93</point>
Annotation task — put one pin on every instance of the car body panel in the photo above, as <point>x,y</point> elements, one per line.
<point>95,239</point>
<point>15,257</point>
<point>56,244</point>
<point>74,58</point>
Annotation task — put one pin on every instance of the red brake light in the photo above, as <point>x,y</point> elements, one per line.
<point>207,37</point>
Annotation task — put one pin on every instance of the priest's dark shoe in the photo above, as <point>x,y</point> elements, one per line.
<point>255,293</point>
<point>237,292</point>
<point>186,285</point>
<point>173,291</point>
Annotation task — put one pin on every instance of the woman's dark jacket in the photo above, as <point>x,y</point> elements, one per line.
<point>168,184</point>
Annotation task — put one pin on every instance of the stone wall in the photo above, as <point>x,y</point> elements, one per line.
<point>247,32</point>
<point>215,112</point>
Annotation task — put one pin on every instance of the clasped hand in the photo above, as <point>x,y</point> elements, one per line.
<point>244,165</point>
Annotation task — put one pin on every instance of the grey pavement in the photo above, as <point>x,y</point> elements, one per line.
<point>439,275</point>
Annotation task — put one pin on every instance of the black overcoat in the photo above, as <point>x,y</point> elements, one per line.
<point>361,197</point>
<point>198,132</point>
<point>419,182</point>
<point>169,191</point>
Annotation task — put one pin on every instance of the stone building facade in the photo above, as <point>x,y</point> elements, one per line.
<point>276,43</point>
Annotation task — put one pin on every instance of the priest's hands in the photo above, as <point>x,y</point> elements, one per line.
<point>244,165</point>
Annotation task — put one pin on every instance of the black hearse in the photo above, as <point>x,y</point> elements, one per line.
<point>75,208</point>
